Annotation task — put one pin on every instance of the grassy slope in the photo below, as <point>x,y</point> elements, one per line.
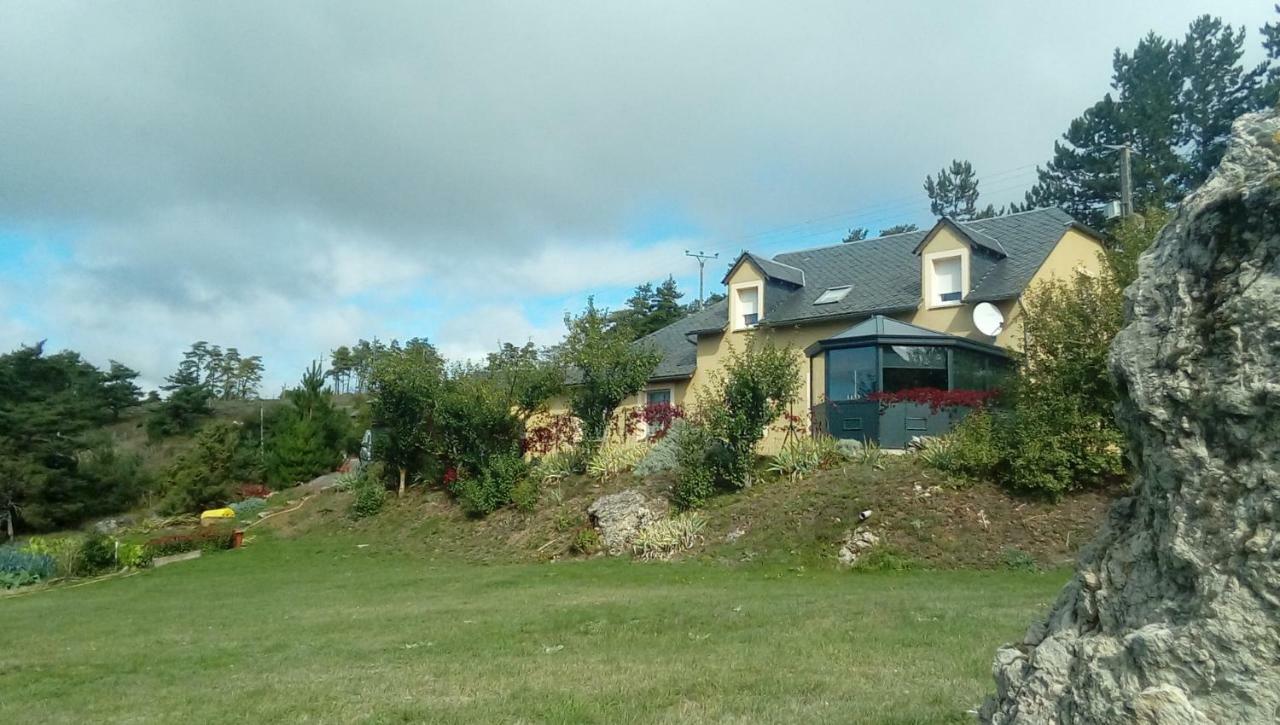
<point>318,629</point>
<point>938,524</point>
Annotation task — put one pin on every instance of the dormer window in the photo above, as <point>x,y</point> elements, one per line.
<point>747,308</point>
<point>946,279</point>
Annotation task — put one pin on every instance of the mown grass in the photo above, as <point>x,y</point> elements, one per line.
<point>319,630</point>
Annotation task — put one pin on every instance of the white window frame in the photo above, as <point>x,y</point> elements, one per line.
<point>932,298</point>
<point>735,305</point>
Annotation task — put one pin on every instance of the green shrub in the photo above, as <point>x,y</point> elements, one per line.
<point>97,554</point>
<point>133,556</point>
<point>370,496</point>
<point>525,494</point>
<point>614,460</point>
<point>1019,560</point>
<point>586,541</point>
<point>697,478</point>
<point>750,392</point>
<point>63,550</point>
<point>492,489</point>
<point>663,538</point>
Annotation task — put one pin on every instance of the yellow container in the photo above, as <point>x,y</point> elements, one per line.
<point>218,514</point>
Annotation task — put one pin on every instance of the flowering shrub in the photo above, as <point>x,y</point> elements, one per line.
<point>937,398</point>
<point>557,433</point>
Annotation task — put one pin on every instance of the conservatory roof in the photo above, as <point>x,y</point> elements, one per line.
<point>878,329</point>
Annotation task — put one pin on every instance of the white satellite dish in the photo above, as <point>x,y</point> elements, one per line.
<point>987,318</point>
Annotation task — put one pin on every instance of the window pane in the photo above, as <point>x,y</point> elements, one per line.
<point>897,379</point>
<point>851,373</point>
<point>975,371</point>
<point>946,279</point>
<point>659,396</point>
<point>748,298</point>
<point>914,356</point>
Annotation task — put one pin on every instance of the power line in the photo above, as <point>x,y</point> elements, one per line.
<point>702,265</point>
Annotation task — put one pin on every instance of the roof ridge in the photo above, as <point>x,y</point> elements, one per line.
<point>841,245</point>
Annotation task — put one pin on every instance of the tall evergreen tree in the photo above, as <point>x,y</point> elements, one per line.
<point>119,388</point>
<point>955,193</point>
<point>1172,103</point>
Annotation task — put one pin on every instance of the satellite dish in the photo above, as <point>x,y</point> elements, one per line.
<point>987,318</point>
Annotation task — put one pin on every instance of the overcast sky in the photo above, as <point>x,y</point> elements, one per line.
<point>288,177</point>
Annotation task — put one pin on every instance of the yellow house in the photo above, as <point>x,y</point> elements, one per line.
<point>932,309</point>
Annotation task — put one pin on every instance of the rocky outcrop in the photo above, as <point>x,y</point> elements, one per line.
<point>1174,613</point>
<point>854,545</point>
<point>619,516</point>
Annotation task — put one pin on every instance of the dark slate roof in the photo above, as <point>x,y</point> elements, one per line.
<point>771,268</point>
<point>885,272</point>
<point>1027,239</point>
<point>678,346</point>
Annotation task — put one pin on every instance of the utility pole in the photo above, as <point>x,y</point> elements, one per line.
<point>702,264</point>
<point>1126,181</point>
<point>1126,178</point>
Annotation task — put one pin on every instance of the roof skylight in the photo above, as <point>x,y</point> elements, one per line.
<point>833,294</point>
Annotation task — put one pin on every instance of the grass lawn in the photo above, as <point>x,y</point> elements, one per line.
<point>318,630</point>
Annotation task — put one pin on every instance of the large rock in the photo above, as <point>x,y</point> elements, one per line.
<point>1174,614</point>
<point>619,516</point>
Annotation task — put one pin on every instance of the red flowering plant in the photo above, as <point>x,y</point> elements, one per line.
<point>937,398</point>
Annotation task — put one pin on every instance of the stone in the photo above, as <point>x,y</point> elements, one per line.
<point>854,545</point>
<point>619,516</point>
<point>1174,613</point>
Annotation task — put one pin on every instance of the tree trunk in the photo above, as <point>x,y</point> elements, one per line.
<point>402,474</point>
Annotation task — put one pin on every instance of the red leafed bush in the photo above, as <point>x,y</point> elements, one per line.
<point>559,431</point>
<point>450,476</point>
<point>252,490</point>
<point>204,539</point>
<point>937,398</point>
<point>656,416</point>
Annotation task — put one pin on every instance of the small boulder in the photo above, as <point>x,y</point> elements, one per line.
<point>620,515</point>
<point>855,544</point>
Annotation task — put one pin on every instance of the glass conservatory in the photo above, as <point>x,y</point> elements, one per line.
<point>888,381</point>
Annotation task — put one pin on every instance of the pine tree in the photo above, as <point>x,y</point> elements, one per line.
<point>1173,104</point>
<point>856,234</point>
<point>1217,90</point>
<point>120,390</point>
<point>955,193</point>
<point>898,229</point>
